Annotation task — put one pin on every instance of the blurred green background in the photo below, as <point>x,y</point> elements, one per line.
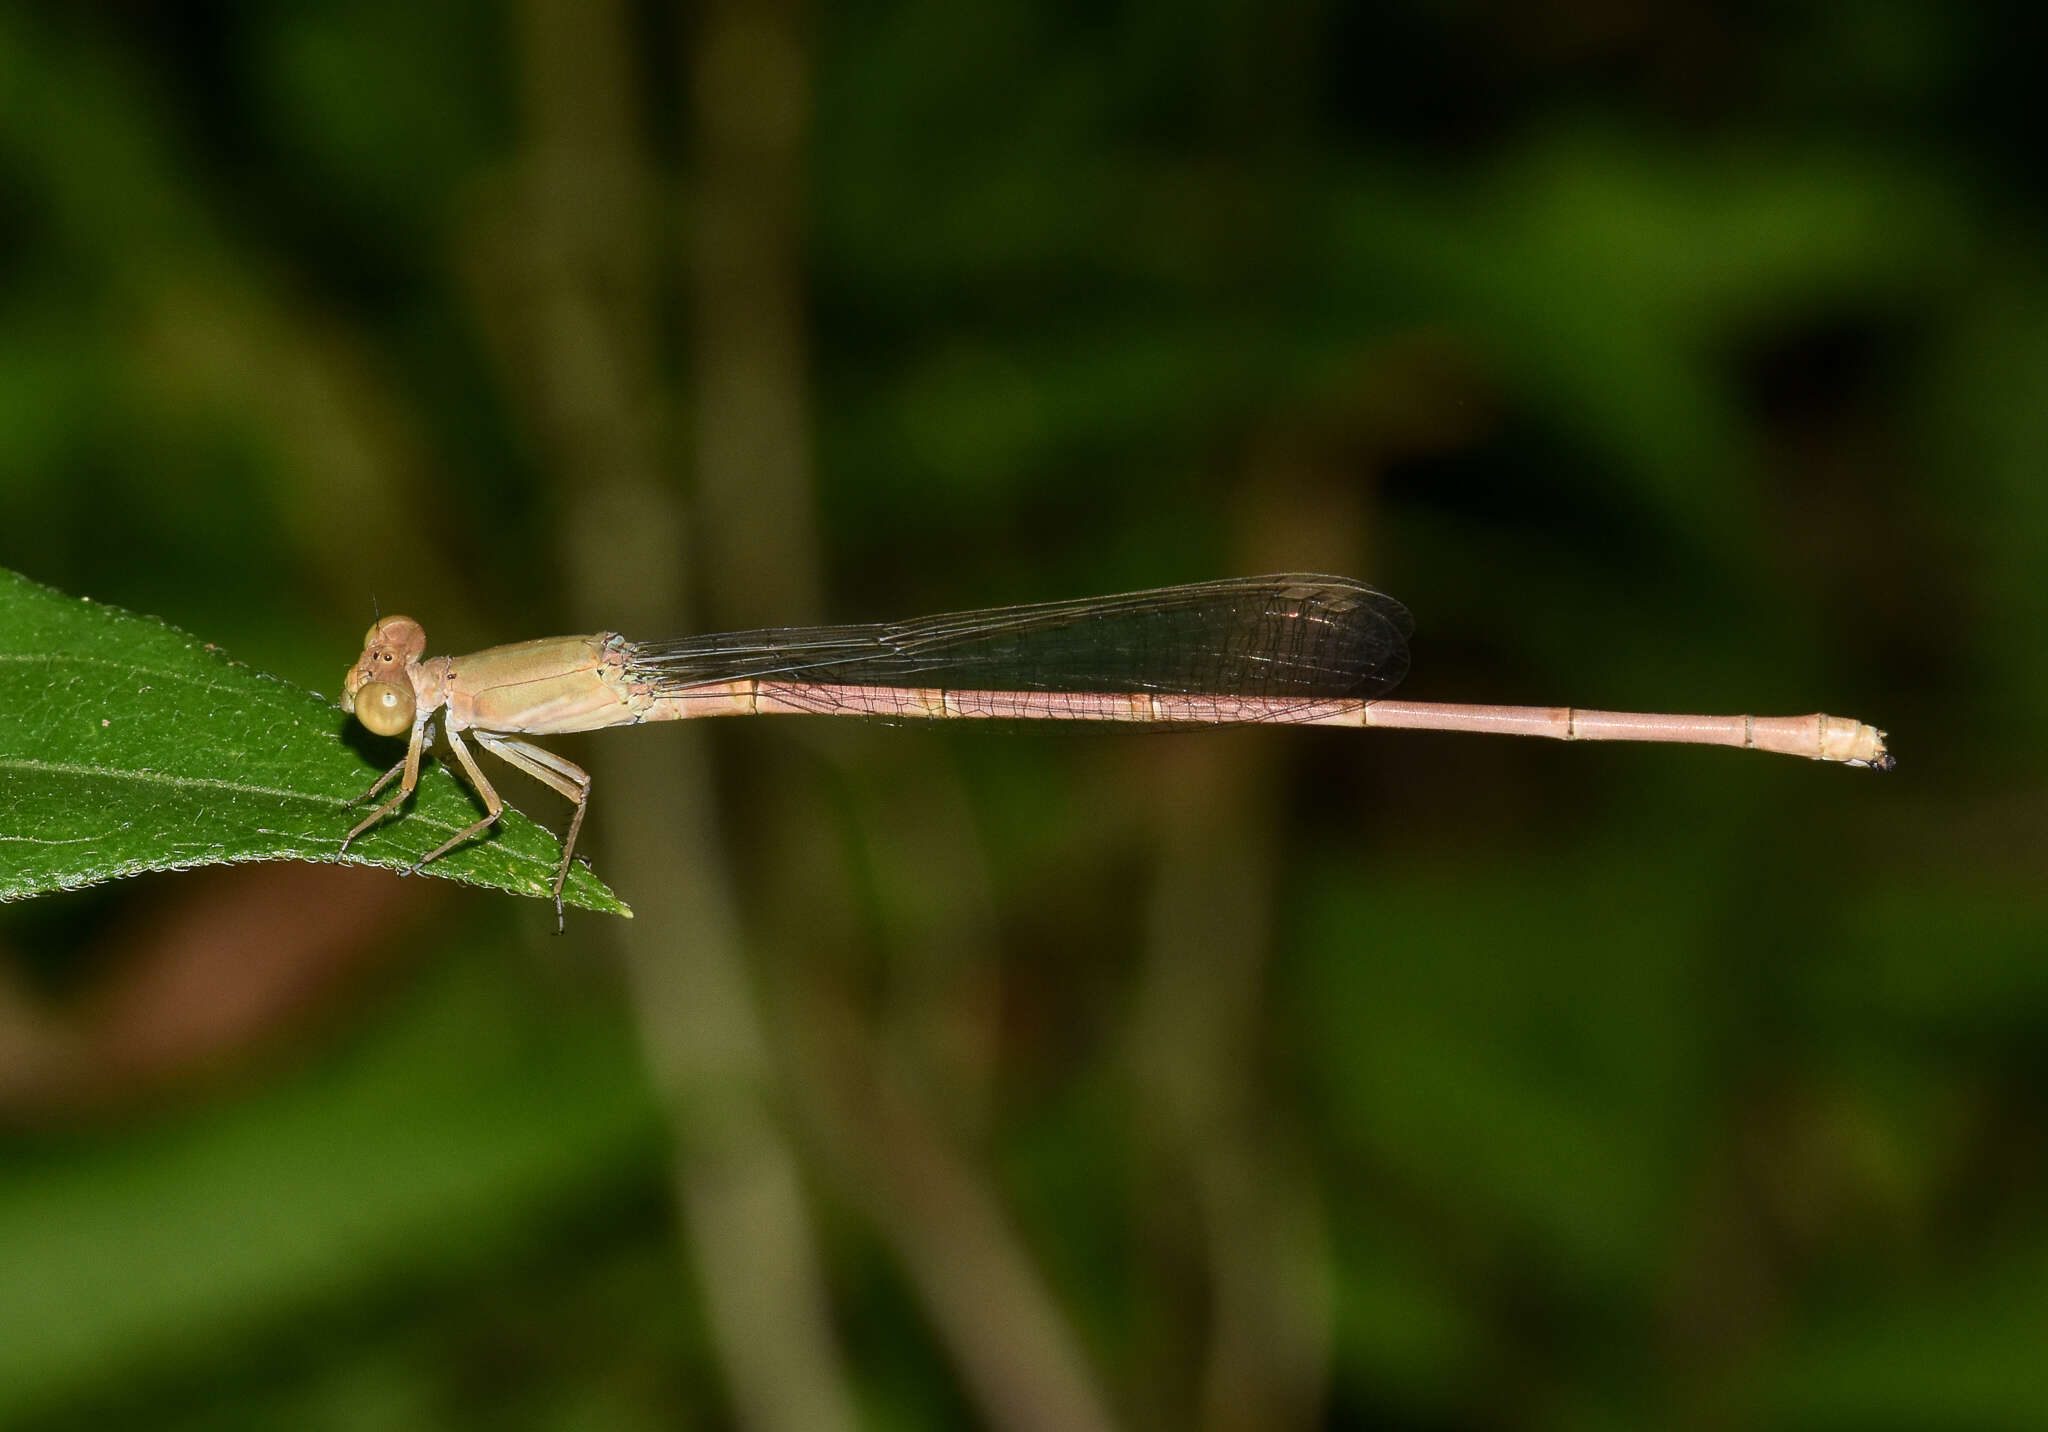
<point>1690,356</point>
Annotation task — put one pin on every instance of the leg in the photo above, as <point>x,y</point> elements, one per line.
<point>494,806</point>
<point>426,743</point>
<point>411,766</point>
<point>566,777</point>
<point>382,781</point>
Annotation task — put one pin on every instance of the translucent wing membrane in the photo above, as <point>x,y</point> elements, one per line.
<point>1293,638</point>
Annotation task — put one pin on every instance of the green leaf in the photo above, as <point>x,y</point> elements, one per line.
<point>127,746</point>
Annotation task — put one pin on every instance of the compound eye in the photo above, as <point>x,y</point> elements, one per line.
<point>403,634</point>
<point>385,708</point>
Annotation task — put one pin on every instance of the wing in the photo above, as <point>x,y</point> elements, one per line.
<point>1323,639</point>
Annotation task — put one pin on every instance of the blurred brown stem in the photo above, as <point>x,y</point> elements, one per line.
<point>761,564</point>
<point>1263,1349</point>
<point>591,346</point>
<point>1017,1356</point>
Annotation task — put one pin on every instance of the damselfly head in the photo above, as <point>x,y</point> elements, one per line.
<point>378,688</point>
<point>401,634</point>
